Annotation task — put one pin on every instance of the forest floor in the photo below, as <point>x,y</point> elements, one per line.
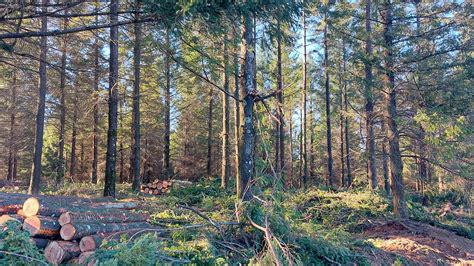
<point>319,227</point>
<point>418,243</point>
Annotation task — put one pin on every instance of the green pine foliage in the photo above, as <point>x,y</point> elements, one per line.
<point>16,248</point>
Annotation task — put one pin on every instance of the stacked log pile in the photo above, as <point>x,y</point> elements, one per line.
<point>157,187</point>
<point>71,228</point>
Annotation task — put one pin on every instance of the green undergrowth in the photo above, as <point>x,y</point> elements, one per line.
<point>310,227</point>
<point>462,225</point>
<point>16,248</point>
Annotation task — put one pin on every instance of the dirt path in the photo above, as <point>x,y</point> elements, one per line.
<point>418,243</point>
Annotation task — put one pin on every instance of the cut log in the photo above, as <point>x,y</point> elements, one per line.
<point>10,217</point>
<point>11,206</point>
<point>108,217</point>
<point>93,242</point>
<point>126,205</point>
<point>61,251</point>
<point>76,231</point>
<point>146,190</point>
<point>21,213</point>
<point>42,227</point>
<point>165,183</point>
<point>34,206</point>
<point>159,186</point>
<point>40,243</point>
<point>86,258</point>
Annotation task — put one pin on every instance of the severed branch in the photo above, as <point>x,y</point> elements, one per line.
<point>268,238</point>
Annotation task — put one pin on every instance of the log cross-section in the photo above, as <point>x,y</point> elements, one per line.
<point>60,251</point>
<point>43,227</point>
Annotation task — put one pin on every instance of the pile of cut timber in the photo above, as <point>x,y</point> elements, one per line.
<point>71,228</point>
<point>156,187</point>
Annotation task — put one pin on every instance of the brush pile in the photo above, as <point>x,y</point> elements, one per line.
<point>71,228</point>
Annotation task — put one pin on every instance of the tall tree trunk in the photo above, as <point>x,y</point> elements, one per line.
<point>225,169</point>
<point>237,118</point>
<point>11,174</point>
<point>390,112</point>
<point>209,133</point>
<point>341,125</point>
<point>81,166</point>
<point>290,118</point>
<point>346,122</point>
<point>385,165</point>
<point>281,119</point>
<point>304,157</point>
<point>422,164</point>
<point>111,156</point>
<point>62,115</point>
<point>369,106</point>
<point>72,169</point>
<point>121,140</point>
<point>167,107</point>
<point>330,173</point>
<point>146,163</point>
<point>136,102</point>
<point>36,171</point>
<point>244,192</point>
<point>95,130</point>
<point>131,174</point>
<point>311,137</point>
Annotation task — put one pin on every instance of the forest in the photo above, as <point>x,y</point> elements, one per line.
<point>266,132</point>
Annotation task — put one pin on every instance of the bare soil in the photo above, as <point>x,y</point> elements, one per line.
<point>418,244</point>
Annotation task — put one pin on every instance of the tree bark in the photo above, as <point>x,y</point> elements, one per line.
<point>369,106</point>
<point>421,134</point>
<point>95,130</point>
<point>209,133</point>
<point>62,115</point>
<point>390,112</point>
<point>42,227</point>
<point>385,165</point>
<point>36,172</point>
<point>60,251</point>
<point>72,167</point>
<point>304,157</point>
<point>93,242</point>
<point>330,177</point>
<point>346,128</point>
<point>167,107</point>
<point>122,178</point>
<point>82,166</point>
<point>136,102</point>
<point>110,173</point>
<point>76,231</point>
<point>225,169</point>
<point>108,217</point>
<point>290,118</point>
<point>341,124</point>
<point>11,206</point>
<point>280,136</point>
<point>11,174</point>
<point>244,192</point>
<point>237,118</point>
